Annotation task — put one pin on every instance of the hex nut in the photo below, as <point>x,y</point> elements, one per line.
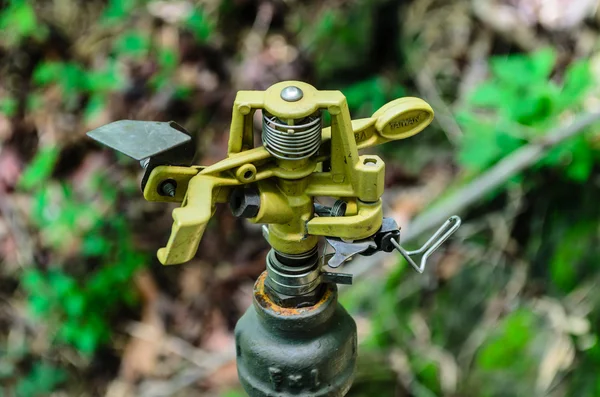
<point>385,243</point>
<point>244,202</point>
<point>295,301</point>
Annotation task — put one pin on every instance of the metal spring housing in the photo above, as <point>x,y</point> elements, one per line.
<point>292,142</point>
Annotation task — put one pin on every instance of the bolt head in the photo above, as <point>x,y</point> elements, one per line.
<point>291,94</point>
<point>244,202</point>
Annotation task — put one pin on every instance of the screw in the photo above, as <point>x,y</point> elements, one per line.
<point>168,188</point>
<point>291,94</point>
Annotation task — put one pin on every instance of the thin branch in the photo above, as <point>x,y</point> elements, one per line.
<point>508,167</point>
<point>444,117</point>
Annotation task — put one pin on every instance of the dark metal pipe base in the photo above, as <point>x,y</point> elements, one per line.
<point>308,351</point>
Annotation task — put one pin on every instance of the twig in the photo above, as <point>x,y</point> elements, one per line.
<point>254,41</point>
<point>505,21</point>
<point>511,165</point>
<point>204,363</point>
<point>444,117</point>
<point>25,245</point>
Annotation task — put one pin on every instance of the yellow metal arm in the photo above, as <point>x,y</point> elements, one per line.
<point>191,219</point>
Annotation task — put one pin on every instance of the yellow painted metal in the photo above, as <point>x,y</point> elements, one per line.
<point>288,187</point>
<point>181,176</point>
<point>398,119</point>
<point>354,227</point>
<point>290,235</point>
<point>190,220</point>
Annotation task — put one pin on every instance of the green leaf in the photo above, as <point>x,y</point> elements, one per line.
<point>34,102</point>
<point>571,250</point>
<point>575,157</point>
<point>41,380</point>
<point>534,108</point>
<point>107,79</point>
<point>478,147</point>
<point>95,105</point>
<point>524,70</point>
<point>582,162</point>
<point>69,331</point>
<point>511,70</point>
<point>94,332</point>
<point>19,21</point>
<point>167,59</point>
<point>367,96</point>
<point>33,280</point>
<point>542,63</point>
<point>95,245</point>
<point>75,304</point>
<point>47,72</point>
<point>489,94</point>
<point>133,44</point>
<point>182,92</point>
<point>61,283</point>
<point>73,79</point>
<point>40,168</point>
<point>25,20</point>
<point>200,25</point>
<point>233,393</point>
<point>87,340</point>
<point>429,374</point>
<point>39,305</point>
<point>117,10</point>
<point>510,341</point>
<point>8,106</point>
<point>577,82</point>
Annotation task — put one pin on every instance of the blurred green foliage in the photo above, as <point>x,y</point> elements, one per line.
<point>42,378</point>
<point>77,296</point>
<point>367,96</point>
<point>82,304</point>
<point>18,21</point>
<point>76,302</point>
<point>519,104</point>
<point>559,241</point>
<point>78,81</point>
<point>339,37</point>
<point>200,24</point>
<point>233,393</point>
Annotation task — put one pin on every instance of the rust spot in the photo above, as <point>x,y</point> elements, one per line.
<point>263,299</point>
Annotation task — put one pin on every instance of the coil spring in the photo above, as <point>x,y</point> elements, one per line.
<point>292,142</point>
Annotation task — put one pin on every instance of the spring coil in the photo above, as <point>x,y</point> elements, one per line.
<point>291,142</point>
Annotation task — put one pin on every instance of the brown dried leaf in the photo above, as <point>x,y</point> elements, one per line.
<point>193,280</point>
<point>10,168</point>
<point>140,356</point>
<point>218,337</point>
<point>224,378</point>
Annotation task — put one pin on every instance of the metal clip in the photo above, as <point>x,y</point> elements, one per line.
<point>344,250</point>
<point>434,242</point>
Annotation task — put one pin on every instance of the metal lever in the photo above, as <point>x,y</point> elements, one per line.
<point>434,242</point>
<point>345,251</point>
